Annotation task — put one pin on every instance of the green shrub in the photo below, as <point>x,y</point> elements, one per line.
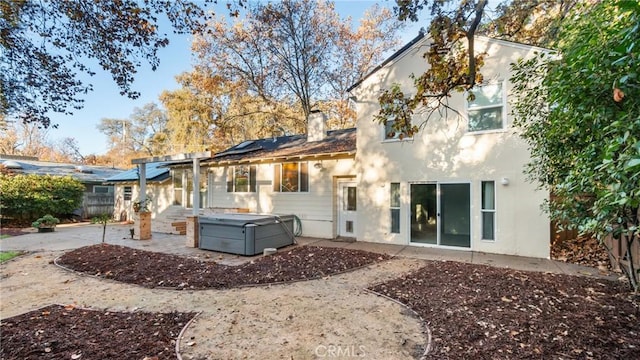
<point>46,221</point>
<point>28,197</point>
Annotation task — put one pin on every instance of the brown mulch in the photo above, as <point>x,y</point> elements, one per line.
<point>11,231</point>
<point>152,269</point>
<point>482,312</point>
<point>471,311</point>
<point>66,332</point>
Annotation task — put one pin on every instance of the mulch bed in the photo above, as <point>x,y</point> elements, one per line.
<point>152,269</point>
<point>66,332</point>
<point>481,312</point>
<point>11,231</point>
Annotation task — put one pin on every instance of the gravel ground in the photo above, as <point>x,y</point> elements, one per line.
<point>301,320</point>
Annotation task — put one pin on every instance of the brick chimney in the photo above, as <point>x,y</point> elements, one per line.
<point>316,126</point>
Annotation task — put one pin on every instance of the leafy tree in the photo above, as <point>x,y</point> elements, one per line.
<point>47,44</point>
<point>208,112</point>
<point>454,63</point>
<point>67,150</point>
<point>191,115</point>
<point>300,53</point>
<point>24,139</point>
<point>585,145</point>
<point>144,133</point>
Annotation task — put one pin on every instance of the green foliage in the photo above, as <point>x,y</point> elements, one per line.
<point>45,44</point>
<point>27,197</point>
<point>8,255</point>
<point>141,206</point>
<point>46,221</point>
<point>586,145</point>
<point>104,220</point>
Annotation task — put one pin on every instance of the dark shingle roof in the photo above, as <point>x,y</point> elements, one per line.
<point>336,141</point>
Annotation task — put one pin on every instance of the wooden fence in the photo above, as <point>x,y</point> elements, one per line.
<point>558,234</point>
<point>619,252</point>
<point>97,204</point>
<point>618,247</point>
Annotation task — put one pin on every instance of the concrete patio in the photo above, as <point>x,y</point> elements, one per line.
<point>73,236</point>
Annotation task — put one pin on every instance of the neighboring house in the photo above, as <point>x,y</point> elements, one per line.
<point>127,190</point>
<point>98,197</point>
<point>459,182</point>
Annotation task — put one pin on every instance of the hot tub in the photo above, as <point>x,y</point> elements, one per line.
<point>245,234</point>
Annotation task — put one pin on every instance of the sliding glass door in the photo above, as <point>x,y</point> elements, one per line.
<point>441,214</point>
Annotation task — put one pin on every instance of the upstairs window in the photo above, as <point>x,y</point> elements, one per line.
<point>291,177</point>
<point>486,108</point>
<point>241,178</point>
<point>391,134</point>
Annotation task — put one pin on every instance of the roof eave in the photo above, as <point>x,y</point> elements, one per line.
<point>274,159</point>
<point>407,46</point>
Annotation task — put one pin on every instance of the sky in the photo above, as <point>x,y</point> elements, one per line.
<point>106,102</point>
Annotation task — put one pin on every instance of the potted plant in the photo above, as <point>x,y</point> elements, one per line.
<point>46,223</point>
<point>141,206</point>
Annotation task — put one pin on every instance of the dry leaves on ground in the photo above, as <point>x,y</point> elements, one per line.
<point>482,312</point>
<point>67,332</point>
<point>152,269</point>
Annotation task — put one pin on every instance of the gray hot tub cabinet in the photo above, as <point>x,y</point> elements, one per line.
<point>245,234</point>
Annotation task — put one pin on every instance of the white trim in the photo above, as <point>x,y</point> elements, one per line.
<point>385,139</point>
<point>503,87</point>
<point>513,44</point>
<point>340,185</point>
<point>494,211</point>
<point>438,210</point>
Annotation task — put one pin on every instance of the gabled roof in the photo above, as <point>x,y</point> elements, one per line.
<point>154,172</point>
<point>87,174</point>
<point>422,34</point>
<point>336,142</point>
<point>407,46</point>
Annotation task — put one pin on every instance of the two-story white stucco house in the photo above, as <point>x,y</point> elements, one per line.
<point>459,182</point>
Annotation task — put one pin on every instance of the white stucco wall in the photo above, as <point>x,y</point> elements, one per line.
<point>316,208</point>
<point>161,195</point>
<point>445,152</point>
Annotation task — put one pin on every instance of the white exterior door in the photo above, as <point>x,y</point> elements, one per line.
<point>347,206</point>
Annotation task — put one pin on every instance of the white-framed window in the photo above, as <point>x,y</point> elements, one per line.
<point>241,178</point>
<point>488,210</point>
<point>177,179</point>
<point>101,189</point>
<point>127,193</point>
<point>486,107</point>
<point>291,177</point>
<point>394,206</point>
<point>390,134</point>
<point>183,189</point>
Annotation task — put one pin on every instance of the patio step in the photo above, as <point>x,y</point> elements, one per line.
<point>180,227</point>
